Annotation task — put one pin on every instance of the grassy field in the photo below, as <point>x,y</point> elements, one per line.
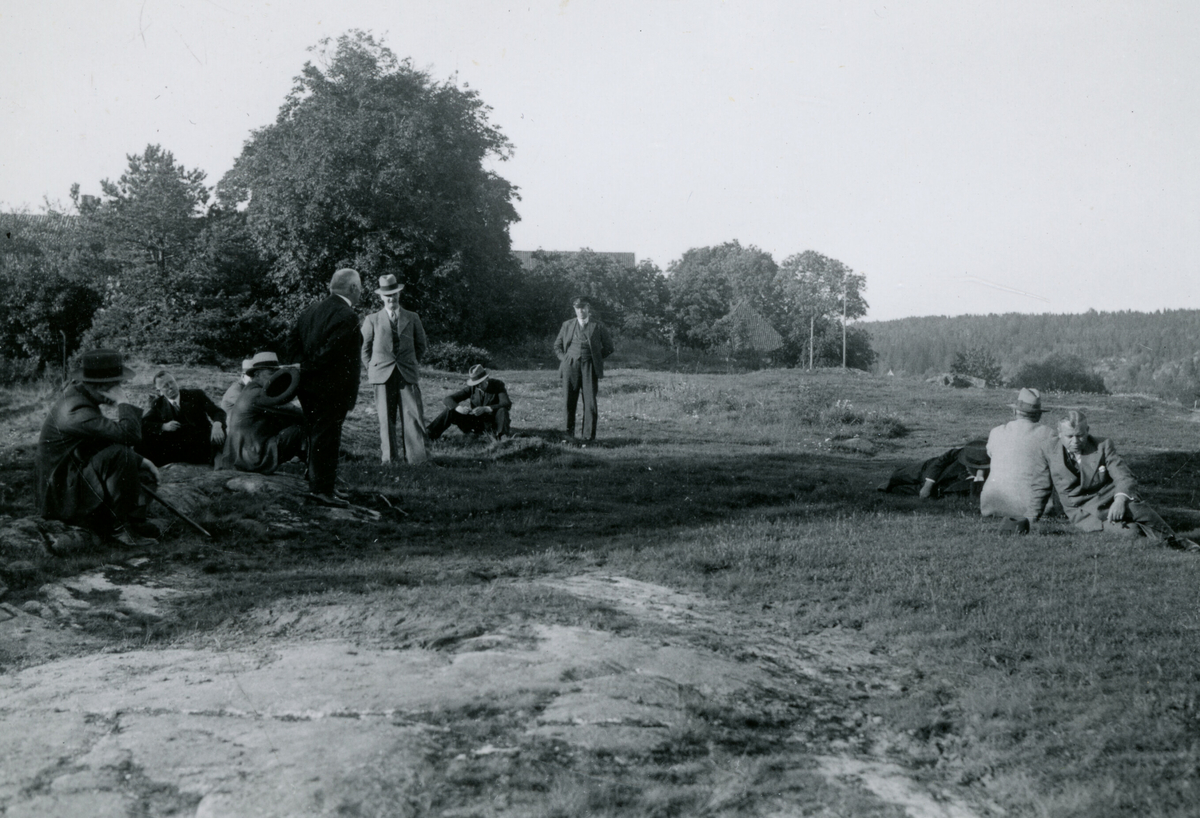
<point>1056,674</point>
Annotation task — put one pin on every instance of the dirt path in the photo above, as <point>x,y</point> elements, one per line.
<point>700,710</point>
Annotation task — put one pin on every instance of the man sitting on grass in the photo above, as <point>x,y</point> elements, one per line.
<point>1098,491</point>
<point>1018,485</point>
<point>264,431</point>
<point>181,425</point>
<point>480,406</point>
<point>235,389</point>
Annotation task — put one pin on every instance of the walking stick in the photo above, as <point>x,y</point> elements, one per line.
<point>155,495</point>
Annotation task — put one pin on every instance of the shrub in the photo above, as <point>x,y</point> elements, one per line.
<point>977,363</point>
<point>452,356</point>
<point>17,370</point>
<point>1059,373</point>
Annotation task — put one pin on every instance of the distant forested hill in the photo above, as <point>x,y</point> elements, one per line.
<point>1155,352</point>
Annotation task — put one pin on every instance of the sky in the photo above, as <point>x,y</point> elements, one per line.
<point>966,157</point>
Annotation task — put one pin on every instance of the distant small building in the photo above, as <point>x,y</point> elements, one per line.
<point>526,256</point>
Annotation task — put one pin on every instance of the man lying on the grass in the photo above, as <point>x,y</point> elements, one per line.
<point>961,470</point>
<point>1098,491</point>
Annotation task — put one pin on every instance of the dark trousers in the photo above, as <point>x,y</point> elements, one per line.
<point>397,396</point>
<point>495,423</point>
<point>324,415</point>
<point>186,445</point>
<point>117,472</point>
<point>580,380</point>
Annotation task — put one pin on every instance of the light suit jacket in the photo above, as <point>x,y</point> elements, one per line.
<point>1086,496</point>
<point>595,334</point>
<point>1018,484</point>
<point>378,355</point>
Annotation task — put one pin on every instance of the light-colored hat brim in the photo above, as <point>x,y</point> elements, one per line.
<point>477,381</point>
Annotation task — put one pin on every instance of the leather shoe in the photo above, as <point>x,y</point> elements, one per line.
<point>328,500</point>
<point>127,538</point>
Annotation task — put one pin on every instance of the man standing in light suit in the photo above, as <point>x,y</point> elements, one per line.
<point>392,342</point>
<point>582,345</point>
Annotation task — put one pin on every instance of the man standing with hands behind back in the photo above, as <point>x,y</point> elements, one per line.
<point>582,345</point>
<point>324,341</point>
<point>392,341</point>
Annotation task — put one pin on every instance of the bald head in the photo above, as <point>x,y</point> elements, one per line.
<point>346,282</point>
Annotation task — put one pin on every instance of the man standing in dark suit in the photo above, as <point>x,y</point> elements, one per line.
<point>181,425</point>
<point>325,341</point>
<point>582,345</point>
<point>393,340</point>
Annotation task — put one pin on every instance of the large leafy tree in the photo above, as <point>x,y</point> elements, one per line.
<point>631,297</point>
<point>371,163</point>
<point>816,291</point>
<point>147,222</point>
<point>49,272</point>
<point>706,283</point>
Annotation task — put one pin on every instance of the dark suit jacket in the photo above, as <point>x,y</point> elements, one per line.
<point>595,335</point>
<point>378,354</point>
<point>254,425</point>
<point>191,442</point>
<point>1087,493</point>
<point>494,394</point>
<point>325,342</point>
<point>74,431</point>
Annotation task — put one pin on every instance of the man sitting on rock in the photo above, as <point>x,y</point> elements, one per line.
<point>264,430</point>
<point>235,389</point>
<point>480,406</point>
<point>181,425</point>
<point>1098,491</point>
<point>1018,485</point>
<point>88,473</point>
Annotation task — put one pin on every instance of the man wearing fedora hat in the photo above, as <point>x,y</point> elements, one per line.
<point>265,431</point>
<point>480,406</point>
<point>393,340</point>
<point>1018,485</point>
<point>582,345</point>
<point>324,342</point>
<point>88,473</point>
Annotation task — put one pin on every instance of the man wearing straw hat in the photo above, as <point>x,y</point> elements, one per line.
<point>235,389</point>
<point>1018,485</point>
<point>88,473</point>
<point>264,430</point>
<point>324,341</point>
<point>480,406</point>
<point>393,340</point>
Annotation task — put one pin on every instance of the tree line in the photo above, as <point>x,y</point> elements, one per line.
<point>373,164</point>
<point>1129,352</point>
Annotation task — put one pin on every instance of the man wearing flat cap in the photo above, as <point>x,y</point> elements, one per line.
<point>482,406</point>
<point>393,340</point>
<point>265,430</point>
<point>1018,485</point>
<point>324,342</point>
<point>88,473</point>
